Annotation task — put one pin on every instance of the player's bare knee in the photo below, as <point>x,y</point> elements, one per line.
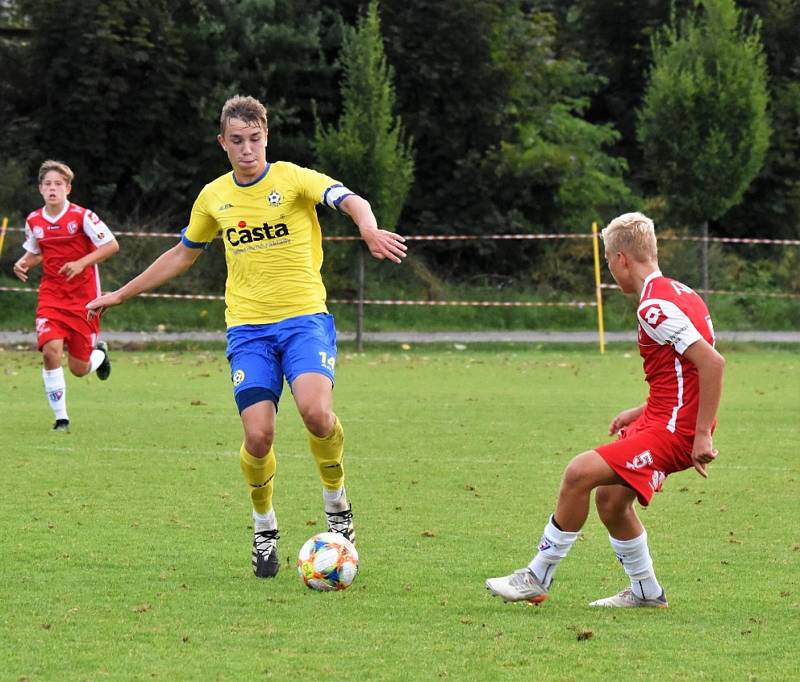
<point>606,503</point>
<point>319,421</point>
<point>576,475</point>
<point>611,506</point>
<point>51,357</point>
<point>79,368</point>
<point>258,441</point>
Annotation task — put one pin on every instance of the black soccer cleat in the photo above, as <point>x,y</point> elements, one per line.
<point>342,523</point>
<point>61,426</point>
<point>265,553</point>
<point>104,370</point>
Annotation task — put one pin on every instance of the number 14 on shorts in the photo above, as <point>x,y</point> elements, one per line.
<point>326,360</point>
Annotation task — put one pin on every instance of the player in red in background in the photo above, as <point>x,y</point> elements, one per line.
<point>670,432</point>
<point>70,241</point>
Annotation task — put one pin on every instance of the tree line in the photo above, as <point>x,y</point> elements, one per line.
<point>521,115</point>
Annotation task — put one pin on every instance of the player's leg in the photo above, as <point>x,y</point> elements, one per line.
<point>313,395</point>
<point>641,459</point>
<point>85,354</point>
<point>532,583</point>
<point>99,362</point>
<point>309,361</point>
<point>257,384</point>
<point>628,539</point>
<point>55,386</point>
<point>258,464</point>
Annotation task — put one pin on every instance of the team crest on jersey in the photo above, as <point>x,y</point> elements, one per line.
<point>238,377</point>
<point>72,227</point>
<point>653,315</point>
<point>274,198</point>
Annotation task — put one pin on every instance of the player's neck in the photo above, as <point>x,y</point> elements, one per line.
<point>250,177</point>
<point>54,210</point>
<point>641,272</point>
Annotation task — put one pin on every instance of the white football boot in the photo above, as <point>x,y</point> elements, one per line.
<point>627,599</point>
<point>521,585</point>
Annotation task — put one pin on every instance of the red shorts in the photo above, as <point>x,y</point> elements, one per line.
<point>645,455</point>
<point>79,334</point>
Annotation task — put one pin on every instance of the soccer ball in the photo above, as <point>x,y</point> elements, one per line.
<point>327,562</point>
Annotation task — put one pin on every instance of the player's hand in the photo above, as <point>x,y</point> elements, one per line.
<point>703,453</point>
<point>623,419</point>
<point>21,270</point>
<point>98,306</point>
<point>71,269</point>
<point>384,244</point>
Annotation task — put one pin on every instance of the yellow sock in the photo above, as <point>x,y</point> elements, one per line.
<point>328,453</point>
<point>259,473</point>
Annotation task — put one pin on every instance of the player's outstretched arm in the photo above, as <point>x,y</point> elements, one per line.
<point>710,369</point>
<point>28,261</point>
<point>381,243</point>
<point>168,265</point>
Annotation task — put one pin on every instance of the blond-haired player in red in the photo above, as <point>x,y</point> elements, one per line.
<point>69,241</point>
<point>670,432</point>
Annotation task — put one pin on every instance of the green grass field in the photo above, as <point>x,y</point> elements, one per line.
<point>126,543</point>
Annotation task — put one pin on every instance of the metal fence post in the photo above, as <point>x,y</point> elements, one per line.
<point>704,261</point>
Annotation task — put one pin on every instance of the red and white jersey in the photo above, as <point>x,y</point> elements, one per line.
<point>671,318</point>
<point>60,239</point>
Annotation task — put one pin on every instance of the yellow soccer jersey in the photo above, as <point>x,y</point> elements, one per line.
<point>273,241</point>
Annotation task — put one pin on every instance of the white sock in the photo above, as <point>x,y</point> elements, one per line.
<point>335,500</point>
<point>56,390</point>
<point>553,547</point>
<point>264,521</point>
<point>635,559</point>
<point>96,359</point>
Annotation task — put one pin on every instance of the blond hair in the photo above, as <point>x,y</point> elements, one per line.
<point>247,109</point>
<point>61,168</point>
<point>632,233</point>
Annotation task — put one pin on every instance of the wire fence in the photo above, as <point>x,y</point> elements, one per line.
<point>360,299</point>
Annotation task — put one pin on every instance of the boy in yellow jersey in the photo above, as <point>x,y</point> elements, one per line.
<point>278,325</point>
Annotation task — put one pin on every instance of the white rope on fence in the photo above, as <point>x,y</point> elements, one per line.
<point>493,237</point>
<point>477,304</point>
<point>484,304</point>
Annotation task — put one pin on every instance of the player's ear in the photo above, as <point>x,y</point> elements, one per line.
<point>221,141</point>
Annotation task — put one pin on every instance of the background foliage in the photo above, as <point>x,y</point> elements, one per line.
<point>522,113</point>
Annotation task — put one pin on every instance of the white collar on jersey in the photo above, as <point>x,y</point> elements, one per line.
<point>55,219</point>
<point>651,276</point>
